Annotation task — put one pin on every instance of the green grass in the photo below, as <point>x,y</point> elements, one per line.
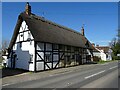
<point>102,61</point>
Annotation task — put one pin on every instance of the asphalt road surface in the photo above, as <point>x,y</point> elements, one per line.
<point>96,76</point>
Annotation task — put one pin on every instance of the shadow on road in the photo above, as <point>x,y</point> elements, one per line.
<point>10,72</point>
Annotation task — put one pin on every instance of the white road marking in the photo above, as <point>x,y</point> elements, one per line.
<point>94,74</point>
<point>5,84</point>
<point>113,67</point>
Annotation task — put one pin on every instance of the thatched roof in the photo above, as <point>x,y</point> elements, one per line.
<point>47,31</point>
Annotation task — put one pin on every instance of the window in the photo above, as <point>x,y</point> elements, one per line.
<point>48,57</point>
<point>55,47</point>
<point>30,42</point>
<point>29,36</point>
<point>20,44</point>
<point>73,56</point>
<point>61,47</point>
<point>76,49</point>
<point>31,57</point>
<point>68,48</point>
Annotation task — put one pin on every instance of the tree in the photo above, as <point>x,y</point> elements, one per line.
<point>116,49</point>
<point>5,44</point>
<point>115,45</point>
<point>4,47</point>
<point>118,35</point>
<point>113,42</point>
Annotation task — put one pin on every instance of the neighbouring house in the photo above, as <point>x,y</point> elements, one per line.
<point>38,44</point>
<point>103,52</point>
<point>4,57</point>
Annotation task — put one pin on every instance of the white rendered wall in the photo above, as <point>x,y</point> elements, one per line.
<point>23,55</point>
<point>25,51</point>
<point>98,54</point>
<point>103,56</point>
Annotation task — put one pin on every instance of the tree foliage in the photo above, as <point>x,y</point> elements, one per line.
<point>116,49</point>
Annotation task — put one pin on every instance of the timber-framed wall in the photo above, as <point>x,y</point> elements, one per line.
<point>52,56</point>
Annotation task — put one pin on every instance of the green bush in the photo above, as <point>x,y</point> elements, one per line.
<point>116,57</point>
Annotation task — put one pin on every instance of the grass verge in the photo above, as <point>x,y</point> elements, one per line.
<point>102,61</point>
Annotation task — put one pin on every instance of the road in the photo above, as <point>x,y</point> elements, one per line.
<point>96,76</point>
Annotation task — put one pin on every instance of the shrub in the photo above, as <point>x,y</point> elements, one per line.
<point>116,57</point>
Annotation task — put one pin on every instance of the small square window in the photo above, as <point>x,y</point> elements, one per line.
<point>31,57</point>
<point>55,46</point>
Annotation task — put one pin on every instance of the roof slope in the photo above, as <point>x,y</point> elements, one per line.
<point>47,31</point>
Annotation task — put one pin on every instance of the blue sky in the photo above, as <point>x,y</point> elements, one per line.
<point>100,19</point>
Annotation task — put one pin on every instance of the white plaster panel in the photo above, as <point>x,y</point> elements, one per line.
<point>26,35</point>
<point>31,67</point>
<point>49,64</point>
<point>40,46</point>
<point>54,64</point>
<point>40,66</point>
<point>41,54</point>
<point>23,26</point>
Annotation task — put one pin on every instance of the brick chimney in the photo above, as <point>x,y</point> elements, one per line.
<point>28,9</point>
<point>82,31</point>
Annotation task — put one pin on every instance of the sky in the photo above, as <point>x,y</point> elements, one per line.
<point>100,19</point>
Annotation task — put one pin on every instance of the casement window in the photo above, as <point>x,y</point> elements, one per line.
<point>73,56</point>
<point>30,42</point>
<point>20,44</point>
<point>29,35</point>
<point>68,48</point>
<point>55,47</point>
<point>48,57</point>
<point>61,47</point>
<point>76,49</point>
<point>31,57</point>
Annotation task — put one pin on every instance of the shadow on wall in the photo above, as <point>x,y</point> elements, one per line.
<point>23,57</point>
